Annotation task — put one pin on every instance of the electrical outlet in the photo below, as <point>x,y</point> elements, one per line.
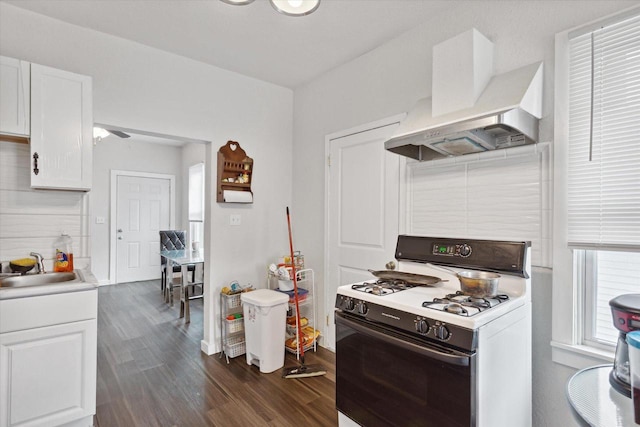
<point>235,219</point>
<point>99,220</point>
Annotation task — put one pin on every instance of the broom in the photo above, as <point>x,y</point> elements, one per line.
<point>301,371</point>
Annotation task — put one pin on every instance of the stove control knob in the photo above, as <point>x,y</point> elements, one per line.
<point>350,305</point>
<point>442,332</point>
<point>422,326</point>
<point>465,250</point>
<point>362,308</point>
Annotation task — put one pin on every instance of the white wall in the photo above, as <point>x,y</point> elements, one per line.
<point>389,80</point>
<point>113,153</point>
<point>138,87</point>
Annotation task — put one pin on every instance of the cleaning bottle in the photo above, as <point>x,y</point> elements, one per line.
<point>63,254</point>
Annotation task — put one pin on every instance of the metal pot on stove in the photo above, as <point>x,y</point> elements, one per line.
<point>625,310</point>
<point>476,284</point>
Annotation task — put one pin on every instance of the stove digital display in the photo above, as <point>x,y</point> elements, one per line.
<point>439,249</point>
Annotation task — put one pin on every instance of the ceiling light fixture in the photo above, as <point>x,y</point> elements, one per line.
<point>100,133</point>
<point>238,2</point>
<point>286,7</point>
<point>295,7</point>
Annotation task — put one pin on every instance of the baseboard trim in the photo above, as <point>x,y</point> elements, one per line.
<point>207,348</point>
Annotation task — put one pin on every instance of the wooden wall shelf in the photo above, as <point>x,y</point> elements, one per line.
<point>235,174</point>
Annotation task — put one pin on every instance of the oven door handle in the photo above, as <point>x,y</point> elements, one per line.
<point>452,359</point>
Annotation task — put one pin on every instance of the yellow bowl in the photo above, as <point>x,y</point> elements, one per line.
<point>22,265</point>
<point>24,262</point>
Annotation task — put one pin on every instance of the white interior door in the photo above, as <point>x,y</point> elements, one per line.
<point>142,210</point>
<point>362,211</point>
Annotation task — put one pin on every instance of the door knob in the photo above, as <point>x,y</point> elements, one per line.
<point>119,230</point>
<point>119,237</point>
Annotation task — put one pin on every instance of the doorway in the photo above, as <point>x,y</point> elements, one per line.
<point>362,208</point>
<point>144,205</point>
<point>135,152</point>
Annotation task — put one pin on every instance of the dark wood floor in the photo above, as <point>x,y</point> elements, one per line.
<point>151,372</point>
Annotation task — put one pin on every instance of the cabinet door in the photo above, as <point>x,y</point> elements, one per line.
<point>61,129</point>
<point>14,96</point>
<point>48,375</point>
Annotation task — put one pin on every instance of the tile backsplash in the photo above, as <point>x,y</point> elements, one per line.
<point>31,220</point>
<point>505,195</point>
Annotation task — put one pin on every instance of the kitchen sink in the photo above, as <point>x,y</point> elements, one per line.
<point>38,279</point>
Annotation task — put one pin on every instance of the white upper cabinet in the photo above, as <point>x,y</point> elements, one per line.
<point>61,129</point>
<point>14,97</point>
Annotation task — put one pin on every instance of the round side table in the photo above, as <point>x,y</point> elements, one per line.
<point>595,403</point>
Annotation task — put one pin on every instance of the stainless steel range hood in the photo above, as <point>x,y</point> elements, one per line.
<point>505,115</point>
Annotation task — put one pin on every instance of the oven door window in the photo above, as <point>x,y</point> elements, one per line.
<point>386,378</point>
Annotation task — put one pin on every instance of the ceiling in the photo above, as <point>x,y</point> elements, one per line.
<point>253,40</point>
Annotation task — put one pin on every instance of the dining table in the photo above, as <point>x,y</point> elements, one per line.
<point>184,258</point>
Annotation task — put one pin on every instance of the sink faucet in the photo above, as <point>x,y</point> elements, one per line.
<point>38,258</point>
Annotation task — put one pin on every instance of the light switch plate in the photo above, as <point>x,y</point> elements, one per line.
<point>99,220</point>
<point>235,219</point>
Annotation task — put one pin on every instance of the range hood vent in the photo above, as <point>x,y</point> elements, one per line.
<point>505,114</point>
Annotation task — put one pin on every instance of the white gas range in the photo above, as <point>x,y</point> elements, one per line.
<point>438,357</point>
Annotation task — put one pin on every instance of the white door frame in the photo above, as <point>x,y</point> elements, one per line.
<point>113,210</point>
<point>329,300</point>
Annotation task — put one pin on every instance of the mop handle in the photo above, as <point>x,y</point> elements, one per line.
<point>295,290</point>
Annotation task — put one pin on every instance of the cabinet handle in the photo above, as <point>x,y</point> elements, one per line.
<point>35,163</point>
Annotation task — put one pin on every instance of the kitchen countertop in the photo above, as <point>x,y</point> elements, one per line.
<point>87,281</point>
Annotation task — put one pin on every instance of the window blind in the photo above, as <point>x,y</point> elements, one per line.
<point>604,124</point>
<point>196,192</point>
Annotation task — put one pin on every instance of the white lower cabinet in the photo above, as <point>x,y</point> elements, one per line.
<point>46,379</point>
<point>48,360</point>
<point>61,129</point>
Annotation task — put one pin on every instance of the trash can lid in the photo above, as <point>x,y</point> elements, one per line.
<point>264,297</point>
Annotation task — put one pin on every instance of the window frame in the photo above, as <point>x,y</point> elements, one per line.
<point>570,276</point>
<point>196,170</point>
<point>197,223</point>
<point>587,279</point>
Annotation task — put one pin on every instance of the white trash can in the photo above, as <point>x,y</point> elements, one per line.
<point>265,320</point>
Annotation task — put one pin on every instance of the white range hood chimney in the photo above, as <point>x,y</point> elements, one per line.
<point>462,68</point>
<point>471,110</point>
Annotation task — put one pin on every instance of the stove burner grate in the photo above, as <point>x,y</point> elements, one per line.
<point>464,305</point>
<point>382,287</point>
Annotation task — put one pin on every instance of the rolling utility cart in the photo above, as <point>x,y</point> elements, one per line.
<point>232,338</point>
<point>307,304</point>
